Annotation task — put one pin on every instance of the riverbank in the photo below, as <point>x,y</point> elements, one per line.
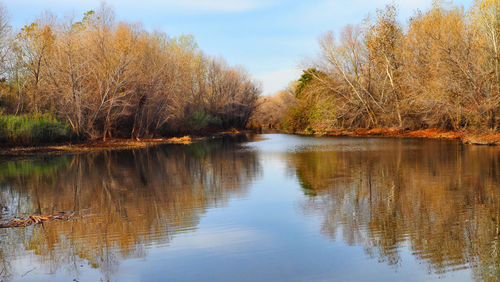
<point>123,144</point>
<point>431,133</point>
<point>110,144</point>
<point>95,145</point>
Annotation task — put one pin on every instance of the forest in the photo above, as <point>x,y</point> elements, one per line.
<point>96,78</point>
<point>440,70</point>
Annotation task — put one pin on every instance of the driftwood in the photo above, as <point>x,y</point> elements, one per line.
<point>36,219</point>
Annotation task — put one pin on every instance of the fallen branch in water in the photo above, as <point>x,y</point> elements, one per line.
<point>27,272</point>
<point>36,219</point>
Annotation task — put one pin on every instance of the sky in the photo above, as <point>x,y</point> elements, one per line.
<point>270,38</point>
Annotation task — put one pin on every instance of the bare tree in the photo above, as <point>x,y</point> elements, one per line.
<point>4,39</point>
<point>441,71</point>
<point>106,79</point>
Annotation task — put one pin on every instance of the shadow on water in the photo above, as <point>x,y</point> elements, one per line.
<point>125,201</point>
<point>440,200</point>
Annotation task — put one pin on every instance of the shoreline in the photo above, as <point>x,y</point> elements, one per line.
<point>110,144</point>
<point>431,133</point>
<point>92,146</point>
<point>127,144</point>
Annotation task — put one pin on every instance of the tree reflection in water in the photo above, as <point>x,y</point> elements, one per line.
<point>439,200</point>
<point>124,201</point>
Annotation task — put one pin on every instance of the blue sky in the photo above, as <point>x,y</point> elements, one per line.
<point>270,38</point>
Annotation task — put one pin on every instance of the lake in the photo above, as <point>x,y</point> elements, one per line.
<point>269,207</point>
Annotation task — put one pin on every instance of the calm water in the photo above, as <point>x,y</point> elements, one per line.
<point>262,208</point>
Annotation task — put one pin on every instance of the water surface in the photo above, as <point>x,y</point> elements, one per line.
<point>257,208</point>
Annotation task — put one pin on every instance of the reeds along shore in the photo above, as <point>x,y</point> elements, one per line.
<point>439,70</point>
<point>96,78</point>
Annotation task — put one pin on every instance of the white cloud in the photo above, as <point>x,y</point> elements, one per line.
<point>275,81</point>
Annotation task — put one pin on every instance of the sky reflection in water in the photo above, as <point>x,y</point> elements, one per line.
<point>266,208</point>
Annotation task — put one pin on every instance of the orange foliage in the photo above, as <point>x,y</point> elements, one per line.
<point>432,133</point>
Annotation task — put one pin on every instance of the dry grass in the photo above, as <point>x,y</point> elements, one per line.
<point>232,131</point>
<point>433,134</point>
<point>483,140</point>
<point>186,140</point>
<point>395,132</point>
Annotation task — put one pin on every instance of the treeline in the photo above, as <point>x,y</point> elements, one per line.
<point>441,70</point>
<point>271,110</point>
<point>113,79</point>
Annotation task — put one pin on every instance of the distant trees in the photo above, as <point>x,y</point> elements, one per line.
<point>442,70</point>
<point>106,78</point>
<point>272,110</point>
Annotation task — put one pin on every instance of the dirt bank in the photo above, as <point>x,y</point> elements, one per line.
<point>95,145</point>
<point>431,133</point>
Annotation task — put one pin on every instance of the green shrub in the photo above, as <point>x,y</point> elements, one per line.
<point>297,119</point>
<point>200,120</point>
<point>32,129</point>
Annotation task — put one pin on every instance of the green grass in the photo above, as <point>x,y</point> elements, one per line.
<point>32,129</point>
